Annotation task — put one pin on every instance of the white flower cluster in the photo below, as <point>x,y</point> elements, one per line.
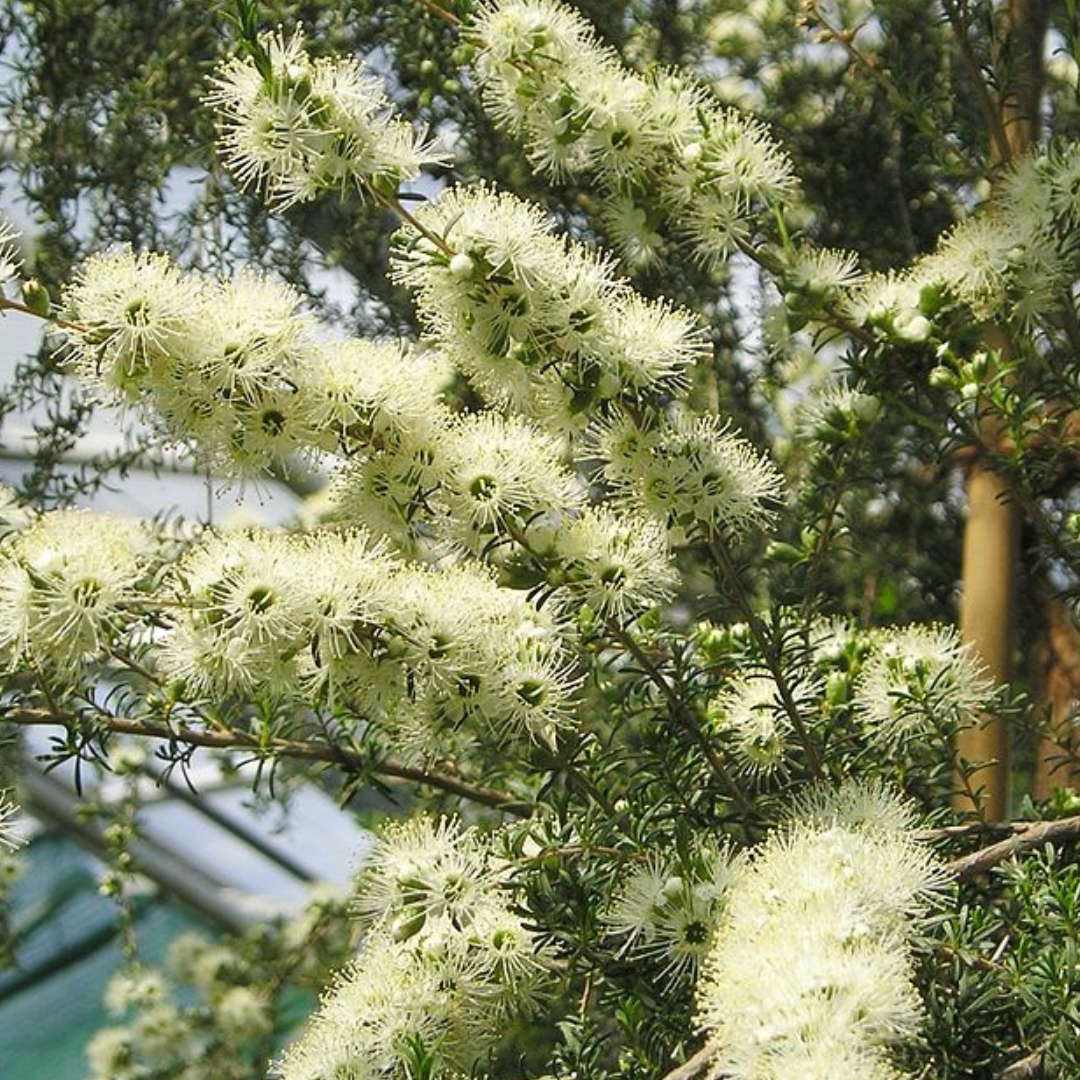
<point>752,724</point>
<point>70,584</point>
<point>535,320</point>
<point>1016,261</point>
<point>669,907</point>
<point>299,126</point>
<point>690,472</point>
<point>239,372</point>
<point>580,112</point>
<point>541,325</point>
<point>810,974</point>
<point>162,1035</point>
<point>9,837</point>
<point>10,256</point>
<point>445,964</point>
<point>236,367</point>
<point>917,681</point>
<point>209,1012</point>
<point>334,616</point>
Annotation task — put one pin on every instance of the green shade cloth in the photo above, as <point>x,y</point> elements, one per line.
<point>66,951</point>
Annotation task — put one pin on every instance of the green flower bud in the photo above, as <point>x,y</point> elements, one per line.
<point>36,297</point>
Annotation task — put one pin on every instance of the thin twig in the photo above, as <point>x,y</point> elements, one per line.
<point>23,309</point>
<point>694,1065</point>
<point>971,828</point>
<point>302,749</point>
<point>895,95</point>
<point>680,713</point>
<point>769,651</point>
<point>992,111</point>
<point>1026,1068</point>
<point>1043,832</point>
<point>441,12</point>
<point>394,204</point>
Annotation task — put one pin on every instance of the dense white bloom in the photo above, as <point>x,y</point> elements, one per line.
<point>920,680</point>
<point>478,652</point>
<point>890,302</point>
<point>220,364</point>
<point>533,319</point>
<point>547,80</point>
<point>136,986</point>
<point>237,369</point>
<point>302,126</point>
<point>723,181</point>
<point>445,963</point>
<point>868,805</point>
<point>822,274</point>
<point>810,967</point>
<point>137,311</point>
<point>837,412</point>
<point>365,393</point>
<point>533,693</point>
<point>578,110</point>
<point>503,470</point>
<point>241,621</point>
<point>752,724</point>
<point>619,564</point>
<point>689,472</point>
<point>390,490</point>
<point>423,868</point>
<point>669,908</point>
<point>392,996</point>
<point>69,584</point>
<point>1014,260</point>
<point>973,262</point>
<point>633,228</point>
<point>343,582</point>
<point>10,257</point>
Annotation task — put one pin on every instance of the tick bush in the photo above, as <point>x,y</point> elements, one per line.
<point>660,665</point>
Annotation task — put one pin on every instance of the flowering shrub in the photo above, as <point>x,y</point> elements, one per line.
<point>682,796</point>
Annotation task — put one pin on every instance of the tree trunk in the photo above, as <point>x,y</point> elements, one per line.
<point>990,566</point>
<point>1056,687</point>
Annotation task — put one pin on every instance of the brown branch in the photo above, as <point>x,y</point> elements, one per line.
<point>1043,832</point>
<point>694,1065</point>
<point>991,109</point>
<point>23,309</point>
<point>971,828</point>
<point>301,749</point>
<point>1026,1068</point>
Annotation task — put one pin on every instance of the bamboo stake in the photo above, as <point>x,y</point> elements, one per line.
<point>990,567</point>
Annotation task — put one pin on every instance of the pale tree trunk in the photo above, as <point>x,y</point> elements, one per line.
<point>990,565</point>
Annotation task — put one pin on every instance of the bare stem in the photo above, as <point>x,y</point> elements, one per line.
<point>441,12</point>
<point>694,1065</point>
<point>1035,835</point>
<point>393,203</point>
<point>23,309</point>
<point>991,110</point>
<point>305,750</point>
